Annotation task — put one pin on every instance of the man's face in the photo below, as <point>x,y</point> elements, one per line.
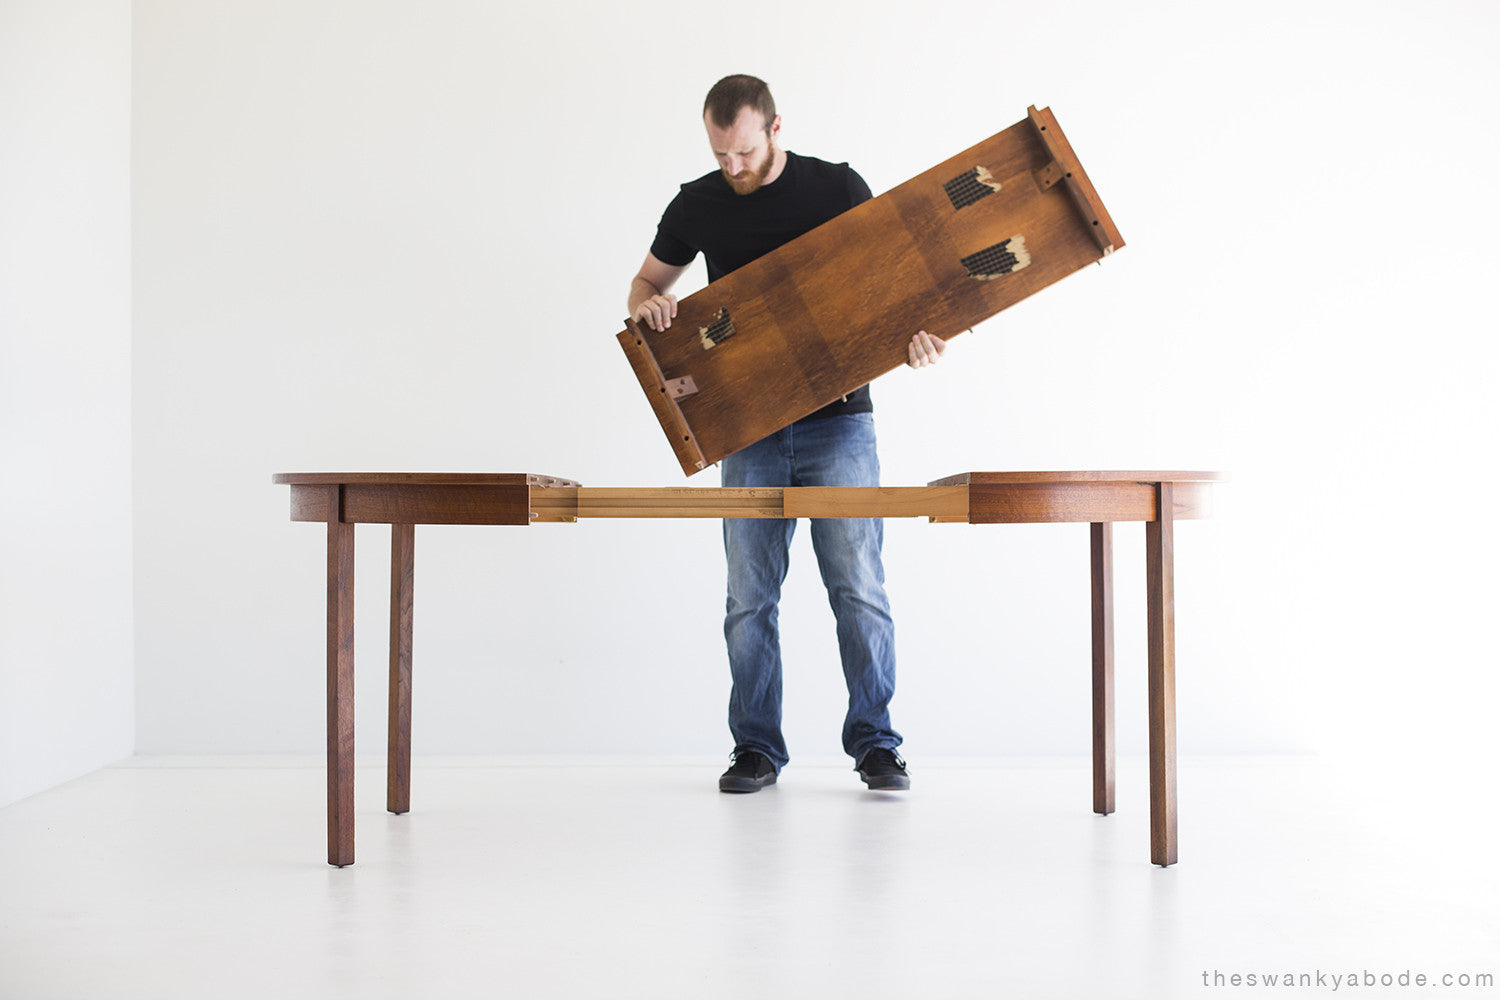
<point>746,150</point>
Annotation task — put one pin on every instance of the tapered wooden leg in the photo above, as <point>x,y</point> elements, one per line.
<point>398,740</point>
<point>1102,579</point>
<point>340,685</point>
<point>1161,680</point>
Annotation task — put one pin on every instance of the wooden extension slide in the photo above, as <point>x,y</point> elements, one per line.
<point>834,309</point>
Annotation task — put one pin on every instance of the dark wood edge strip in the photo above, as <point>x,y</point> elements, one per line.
<point>1083,476</point>
<point>1095,215</point>
<point>419,479</point>
<point>668,413</point>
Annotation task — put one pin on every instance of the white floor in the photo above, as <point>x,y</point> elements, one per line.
<point>168,878</point>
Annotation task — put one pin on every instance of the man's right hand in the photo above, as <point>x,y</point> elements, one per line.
<point>657,311</point>
<point>650,301</point>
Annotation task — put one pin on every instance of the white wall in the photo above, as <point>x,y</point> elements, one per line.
<point>389,236</point>
<point>66,676</point>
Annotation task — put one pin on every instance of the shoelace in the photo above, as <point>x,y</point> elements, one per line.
<point>744,763</point>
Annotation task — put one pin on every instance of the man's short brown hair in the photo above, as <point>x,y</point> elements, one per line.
<point>729,95</point>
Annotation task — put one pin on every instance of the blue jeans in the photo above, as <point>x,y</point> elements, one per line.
<point>832,451</point>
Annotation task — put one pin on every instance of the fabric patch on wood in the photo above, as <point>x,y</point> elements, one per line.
<point>996,261</point>
<point>970,186</point>
<point>718,331</point>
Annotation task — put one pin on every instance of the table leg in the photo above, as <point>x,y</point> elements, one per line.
<point>1102,579</point>
<point>398,740</point>
<point>340,684</point>
<point>1161,680</point>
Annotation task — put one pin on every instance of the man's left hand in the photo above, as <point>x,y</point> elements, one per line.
<point>924,349</point>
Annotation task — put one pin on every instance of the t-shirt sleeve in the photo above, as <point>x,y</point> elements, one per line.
<point>670,247</point>
<point>859,191</point>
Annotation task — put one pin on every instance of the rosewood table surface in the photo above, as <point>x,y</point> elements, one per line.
<point>404,500</point>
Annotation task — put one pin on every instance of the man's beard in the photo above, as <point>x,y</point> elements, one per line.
<point>750,180</point>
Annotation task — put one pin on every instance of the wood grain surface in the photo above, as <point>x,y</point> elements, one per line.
<point>834,309</point>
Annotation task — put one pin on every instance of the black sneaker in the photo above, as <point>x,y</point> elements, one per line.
<point>884,770</point>
<point>750,772</point>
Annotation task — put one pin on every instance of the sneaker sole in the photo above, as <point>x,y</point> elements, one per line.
<point>887,782</point>
<point>742,785</point>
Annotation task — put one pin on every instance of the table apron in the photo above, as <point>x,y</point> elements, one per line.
<point>519,504</point>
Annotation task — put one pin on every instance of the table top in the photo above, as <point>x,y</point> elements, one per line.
<point>536,479</point>
<point>424,478</point>
<point>526,498</point>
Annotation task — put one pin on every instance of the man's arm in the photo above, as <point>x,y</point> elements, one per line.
<point>649,300</point>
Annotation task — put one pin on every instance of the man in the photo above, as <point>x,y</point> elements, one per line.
<point>761,197</point>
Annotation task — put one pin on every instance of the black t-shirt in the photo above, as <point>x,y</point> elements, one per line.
<point>731,230</point>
